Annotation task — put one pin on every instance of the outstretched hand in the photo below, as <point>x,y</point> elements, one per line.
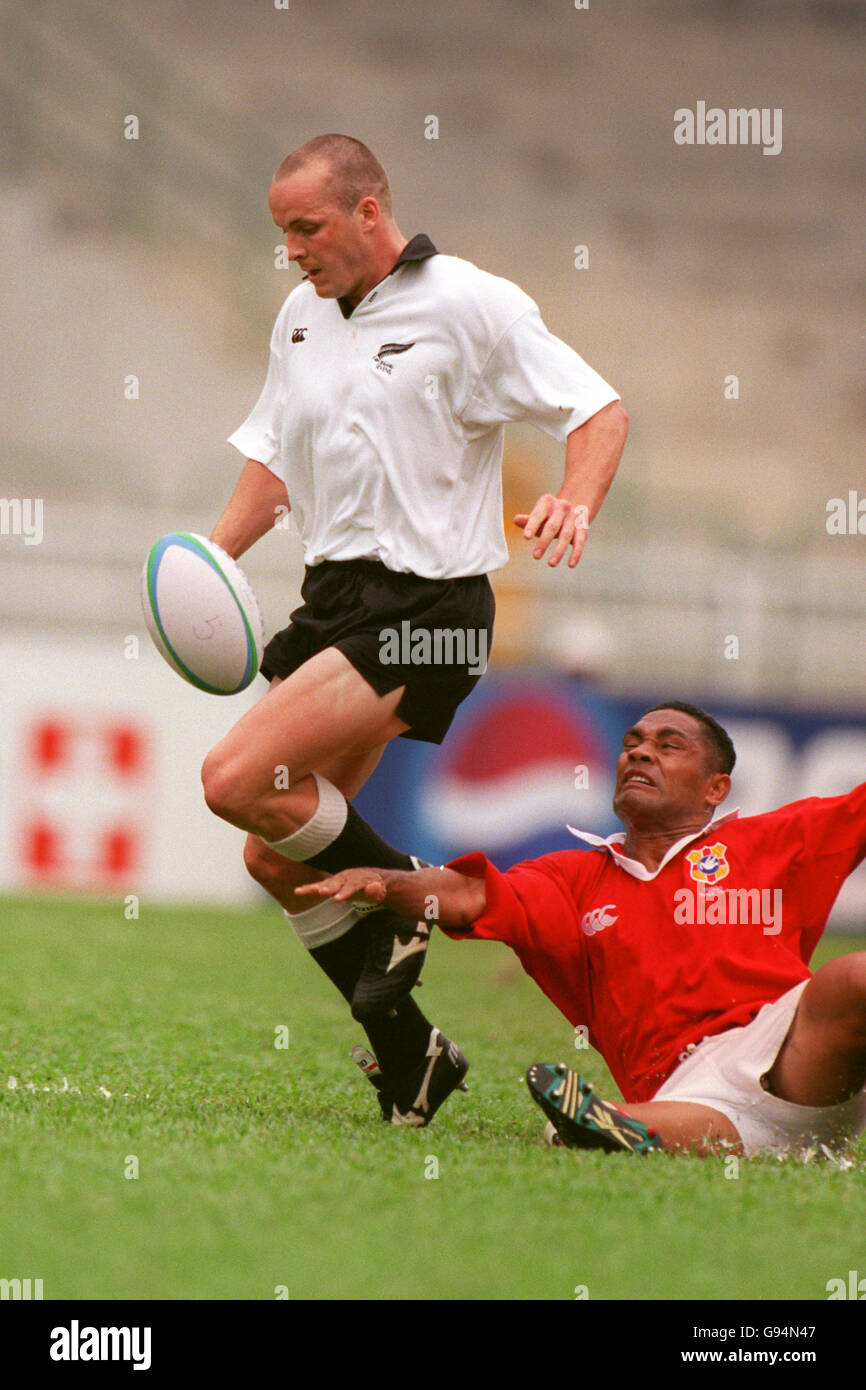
<point>365,887</point>
<point>556,520</point>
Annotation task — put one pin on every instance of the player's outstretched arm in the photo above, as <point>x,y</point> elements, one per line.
<point>259,498</point>
<point>453,900</point>
<point>592,455</point>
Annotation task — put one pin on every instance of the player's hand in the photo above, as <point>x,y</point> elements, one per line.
<point>365,887</point>
<point>555,520</point>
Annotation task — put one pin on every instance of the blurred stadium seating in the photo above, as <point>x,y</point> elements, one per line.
<point>155,257</point>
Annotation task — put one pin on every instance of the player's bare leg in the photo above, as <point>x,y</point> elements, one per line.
<point>821,1062</point>
<point>280,742</point>
<point>257,777</point>
<point>276,874</point>
<point>261,778</point>
<point>280,876</point>
<point>582,1119</point>
<point>687,1127</point>
<point>823,1058</point>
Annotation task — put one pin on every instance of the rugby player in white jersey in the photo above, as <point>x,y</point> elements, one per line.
<point>393,371</point>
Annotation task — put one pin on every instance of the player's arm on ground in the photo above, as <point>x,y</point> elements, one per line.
<point>592,455</point>
<point>451,899</point>
<point>258,500</point>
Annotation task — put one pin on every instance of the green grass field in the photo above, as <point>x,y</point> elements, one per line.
<point>151,1044</point>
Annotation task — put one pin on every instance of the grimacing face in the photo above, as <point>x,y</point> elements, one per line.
<point>664,773</point>
<point>332,247</point>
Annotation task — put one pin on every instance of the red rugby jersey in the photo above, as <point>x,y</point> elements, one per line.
<point>653,961</point>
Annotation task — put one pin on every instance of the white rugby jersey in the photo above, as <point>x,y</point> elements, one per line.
<point>386,423</point>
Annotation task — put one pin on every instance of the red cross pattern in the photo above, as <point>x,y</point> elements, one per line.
<point>83,796</point>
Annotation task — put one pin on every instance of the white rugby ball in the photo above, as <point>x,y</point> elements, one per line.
<point>202,613</point>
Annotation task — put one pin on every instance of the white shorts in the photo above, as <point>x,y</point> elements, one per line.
<point>725,1073</point>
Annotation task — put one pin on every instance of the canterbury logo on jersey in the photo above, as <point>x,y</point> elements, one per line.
<point>598,919</point>
<point>389,350</point>
<point>299,334</point>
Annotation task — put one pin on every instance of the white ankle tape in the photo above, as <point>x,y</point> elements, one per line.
<point>321,829</point>
<point>325,922</point>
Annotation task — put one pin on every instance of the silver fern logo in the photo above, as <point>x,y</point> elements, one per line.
<point>389,350</point>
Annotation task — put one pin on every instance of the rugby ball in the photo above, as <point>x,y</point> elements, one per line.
<point>202,613</point>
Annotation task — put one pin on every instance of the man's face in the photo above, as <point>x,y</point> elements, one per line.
<point>663,774</point>
<point>332,247</point>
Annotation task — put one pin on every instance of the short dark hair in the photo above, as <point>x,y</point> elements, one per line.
<point>717,739</point>
<point>355,172</point>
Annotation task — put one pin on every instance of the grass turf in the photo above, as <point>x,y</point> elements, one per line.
<point>149,1046</point>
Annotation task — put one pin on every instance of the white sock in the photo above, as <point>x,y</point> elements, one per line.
<point>325,922</point>
<point>320,830</point>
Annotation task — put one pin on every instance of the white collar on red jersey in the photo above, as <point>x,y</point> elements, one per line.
<point>633,866</point>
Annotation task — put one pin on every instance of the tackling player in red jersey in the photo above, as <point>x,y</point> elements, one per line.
<point>682,946</point>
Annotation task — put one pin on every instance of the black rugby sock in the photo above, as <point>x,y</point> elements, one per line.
<point>399,1040</point>
<point>343,960</point>
<point>358,845</point>
<point>399,1037</point>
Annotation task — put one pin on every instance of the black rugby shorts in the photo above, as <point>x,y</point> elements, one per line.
<point>395,629</point>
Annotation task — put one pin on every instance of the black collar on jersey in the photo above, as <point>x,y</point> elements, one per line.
<point>418,249</point>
